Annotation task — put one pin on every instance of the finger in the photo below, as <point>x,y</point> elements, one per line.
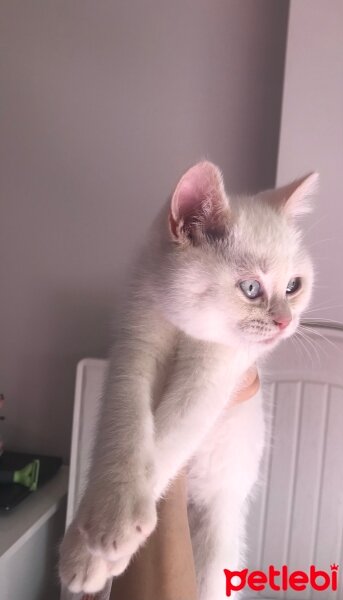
<point>249,388</point>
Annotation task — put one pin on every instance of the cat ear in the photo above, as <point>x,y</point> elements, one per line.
<point>294,199</point>
<point>199,203</point>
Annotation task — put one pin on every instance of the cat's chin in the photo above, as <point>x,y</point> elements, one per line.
<point>275,340</point>
<point>266,344</point>
<point>271,341</point>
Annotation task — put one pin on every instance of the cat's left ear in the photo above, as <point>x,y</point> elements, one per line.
<point>294,199</point>
<point>199,204</point>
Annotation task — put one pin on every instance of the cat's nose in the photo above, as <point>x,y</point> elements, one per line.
<point>282,322</point>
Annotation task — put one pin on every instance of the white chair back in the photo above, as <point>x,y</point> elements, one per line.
<point>90,376</point>
<point>297,517</point>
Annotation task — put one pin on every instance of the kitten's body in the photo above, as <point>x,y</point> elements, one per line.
<point>185,342</point>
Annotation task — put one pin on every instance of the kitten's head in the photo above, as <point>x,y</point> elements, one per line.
<point>236,271</point>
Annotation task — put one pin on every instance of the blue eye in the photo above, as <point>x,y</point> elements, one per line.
<point>251,288</point>
<point>293,285</point>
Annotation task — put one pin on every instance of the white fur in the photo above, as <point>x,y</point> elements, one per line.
<point>187,336</point>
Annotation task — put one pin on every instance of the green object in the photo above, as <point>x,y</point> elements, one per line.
<point>28,476</point>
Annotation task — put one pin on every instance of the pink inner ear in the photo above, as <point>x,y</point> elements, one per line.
<point>200,185</point>
<point>188,197</point>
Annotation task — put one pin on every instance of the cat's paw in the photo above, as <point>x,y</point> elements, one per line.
<point>81,571</point>
<point>117,520</point>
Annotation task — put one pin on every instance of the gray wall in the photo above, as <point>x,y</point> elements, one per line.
<point>103,105</point>
<point>312,137</point>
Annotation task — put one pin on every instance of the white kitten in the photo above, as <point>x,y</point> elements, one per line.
<point>220,282</point>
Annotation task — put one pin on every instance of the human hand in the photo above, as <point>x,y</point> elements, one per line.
<point>250,386</point>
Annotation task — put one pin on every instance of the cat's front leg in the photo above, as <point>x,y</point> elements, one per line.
<point>116,515</point>
<point>82,571</point>
<point>203,378</point>
<point>118,510</point>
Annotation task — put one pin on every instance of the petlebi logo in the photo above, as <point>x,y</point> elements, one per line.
<point>281,580</point>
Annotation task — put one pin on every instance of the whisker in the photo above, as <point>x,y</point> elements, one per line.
<point>317,222</point>
<point>303,344</point>
<point>314,244</point>
<point>321,320</point>
<point>317,308</point>
<point>311,343</point>
<point>297,347</point>
<point>322,336</point>
<point>308,343</point>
